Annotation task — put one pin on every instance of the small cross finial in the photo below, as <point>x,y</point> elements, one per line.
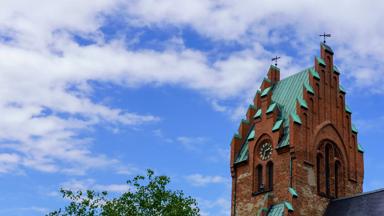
<point>275,59</point>
<point>325,36</point>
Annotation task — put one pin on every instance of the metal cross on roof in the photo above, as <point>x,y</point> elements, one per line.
<point>325,36</point>
<point>275,59</point>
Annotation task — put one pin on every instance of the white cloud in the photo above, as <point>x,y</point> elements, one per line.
<point>191,143</point>
<point>34,23</point>
<point>8,162</point>
<point>118,188</point>
<point>202,180</point>
<point>220,206</point>
<point>127,170</point>
<point>45,98</point>
<point>90,184</point>
<point>370,125</point>
<point>201,146</point>
<point>219,155</point>
<point>24,210</point>
<point>226,19</point>
<point>355,26</point>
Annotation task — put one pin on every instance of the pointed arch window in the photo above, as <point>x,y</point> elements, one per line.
<point>319,164</point>
<point>259,178</point>
<point>329,170</point>
<point>337,178</point>
<point>270,175</point>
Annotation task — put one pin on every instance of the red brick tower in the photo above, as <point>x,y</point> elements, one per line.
<point>297,147</point>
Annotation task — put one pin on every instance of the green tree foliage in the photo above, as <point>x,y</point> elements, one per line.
<point>148,196</point>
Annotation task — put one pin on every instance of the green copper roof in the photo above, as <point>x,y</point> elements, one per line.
<point>360,148</point>
<point>265,92</point>
<point>327,48</point>
<point>320,61</point>
<point>354,129</point>
<point>293,192</point>
<point>251,135</point>
<point>347,109</point>
<point>271,107</point>
<point>296,118</point>
<point>302,103</point>
<point>341,88</point>
<point>284,94</point>
<point>288,205</point>
<point>243,154</point>
<point>257,114</point>
<point>336,70</point>
<point>287,90</point>
<point>251,106</point>
<point>314,73</point>
<point>277,125</point>
<point>246,121</point>
<point>277,210</point>
<point>309,88</point>
<point>274,67</point>
<point>266,79</point>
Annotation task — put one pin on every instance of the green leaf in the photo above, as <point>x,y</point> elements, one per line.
<point>148,195</point>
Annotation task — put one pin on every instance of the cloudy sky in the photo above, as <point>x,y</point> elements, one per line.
<point>94,92</point>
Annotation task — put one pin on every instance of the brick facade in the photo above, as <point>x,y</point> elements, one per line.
<point>321,161</point>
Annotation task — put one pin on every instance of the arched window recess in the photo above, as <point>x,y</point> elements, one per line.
<point>329,170</point>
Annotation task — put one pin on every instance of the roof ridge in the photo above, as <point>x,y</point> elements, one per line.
<point>284,94</point>
<point>358,195</point>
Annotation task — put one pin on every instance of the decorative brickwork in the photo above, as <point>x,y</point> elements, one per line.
<point>315,154</point>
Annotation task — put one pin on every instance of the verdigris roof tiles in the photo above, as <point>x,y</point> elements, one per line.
<point>285,94</point>
<point>266,91</point>
<point>271,108</point>
<point>320,61</point>
<point>243,154</point>
<point>277,125</point>
<point>327,48</point>
<point>277,210</point>
<point>309,88</point>
<point>257,114</point>
<point>314,73</point>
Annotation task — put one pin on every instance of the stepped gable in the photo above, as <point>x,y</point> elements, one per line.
<point>296,149</point>
<point>284,95</point>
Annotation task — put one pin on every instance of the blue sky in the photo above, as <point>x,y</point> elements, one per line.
<point>95,92</point>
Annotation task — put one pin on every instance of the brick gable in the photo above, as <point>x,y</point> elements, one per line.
<point>314,144</point>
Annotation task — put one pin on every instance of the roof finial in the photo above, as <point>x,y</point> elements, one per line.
<point>325,36</point>
<point>275,59</point>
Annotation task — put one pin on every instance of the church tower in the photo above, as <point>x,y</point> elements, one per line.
<point>297,148</point>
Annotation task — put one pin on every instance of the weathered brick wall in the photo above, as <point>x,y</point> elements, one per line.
<point>248,204</point>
